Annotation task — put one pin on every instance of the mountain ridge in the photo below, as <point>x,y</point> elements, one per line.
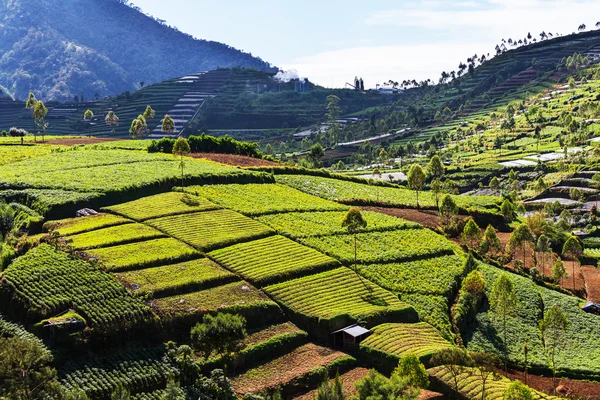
<point>61,49</point>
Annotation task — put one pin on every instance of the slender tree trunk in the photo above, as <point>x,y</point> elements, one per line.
<point>417,199</point>
<point>505,346</point>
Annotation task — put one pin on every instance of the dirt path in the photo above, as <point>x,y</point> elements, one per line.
<point>78,141</point>
<point>573,388</point>
<point>235,160</point>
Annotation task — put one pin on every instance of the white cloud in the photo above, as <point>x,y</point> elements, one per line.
<point>469,27</point>
<point>377,64</point>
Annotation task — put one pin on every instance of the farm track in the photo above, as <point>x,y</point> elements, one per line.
<point>575,389</point>
<point>235,160</point>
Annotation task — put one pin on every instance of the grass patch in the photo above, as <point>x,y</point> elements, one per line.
<point>114,235</point>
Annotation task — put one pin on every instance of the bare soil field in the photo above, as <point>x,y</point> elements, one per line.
<point>283,369</point>
<point>591,275</point>
<point>573,389</point>
<point>427,218</point>
<point>235,160</point>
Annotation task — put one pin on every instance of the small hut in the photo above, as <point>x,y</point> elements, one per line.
<point>591,307</point>
<point>349,336</point>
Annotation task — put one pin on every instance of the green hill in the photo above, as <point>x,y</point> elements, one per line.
<point>82,48</point>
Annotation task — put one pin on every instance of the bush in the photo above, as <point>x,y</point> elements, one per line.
<point>209,144</point>
<point>222,334</point>
<point>14,132</point>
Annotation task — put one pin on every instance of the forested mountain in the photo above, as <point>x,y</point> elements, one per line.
<point>62,48</point>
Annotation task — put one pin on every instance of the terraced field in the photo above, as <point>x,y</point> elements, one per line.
<point>143,254</point>
<point>161,205</point>
<point>112,236</point>
<point>397,340</point>
<point>256,199</point>
<point>337,295</point>
<point>272,260</point>
<point>211,229</point>
<point>74,226</point>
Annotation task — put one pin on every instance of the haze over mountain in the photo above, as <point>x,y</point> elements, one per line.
<point>62,48</point>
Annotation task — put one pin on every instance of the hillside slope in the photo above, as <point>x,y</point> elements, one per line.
<point>60,49</point>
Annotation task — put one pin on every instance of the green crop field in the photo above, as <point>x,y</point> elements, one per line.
<point>339,190</point>
<point>397,340</point>
<point>337,293</point>
<point>272,260</point>
<point>304,224</point>
<point>49,282</point>
<point>470,385</point>
<point>236,297</point>
<point>210,230</point>
<point>74,226</point>
<point>373,247</point>
<point>114,235</point>
<point>137,370</point>
<point>438,276</point>
<point>161,205</point>
<point>434,310</point>
<point>259,199</point>
<point>176,278</point>
<point>143,254</point>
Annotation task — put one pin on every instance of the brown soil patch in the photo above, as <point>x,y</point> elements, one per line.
<point>78,141</point>
<point>577,389</point>
<point>429,395</point>
<point>427,218</point>
<point>591,275</point>
<point>284,369</point>
<point>547,270</point>
<point>270,332</point>
<point>348,380</point>
<point>235,160</point>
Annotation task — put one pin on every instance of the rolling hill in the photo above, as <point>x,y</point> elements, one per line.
<point>60,49</point>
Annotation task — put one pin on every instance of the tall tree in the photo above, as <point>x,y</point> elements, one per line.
<point>504,302</point>
<point>168,125</point>
<point>448,209</point>
<point>543,246</point>
<point>138,128</point>
<point>554,327</point>
<point>354,222</point>
<point>490,242</point>
<point>520,237</point>
<point>559,271</point>
<point>315,154</point>
<point>435,168</point>
<point>181,148</point>
<point>471,234</point>
<point>88,115</point>
<point>112,121</point>
<point>149,113</point>
<point>30,104</point>
<point>333,114</point>
<point>39,114</point>
<point>222,334</point>
<point>416,179</point>
<point>573,249</point>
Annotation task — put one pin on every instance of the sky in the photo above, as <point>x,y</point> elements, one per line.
<point>332,41</point>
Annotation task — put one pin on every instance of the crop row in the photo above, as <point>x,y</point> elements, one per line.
<point>13,329</point>
<point>335,293</point>
<point>161,205</point>
<point>592,252</point>
<point>432,309</point>
<point>470,384</point>
<point>44,201</point>
<point>433,276</point>
<point>74,226</point>
<point>146,254</point>
<point>137,370</point>
<point>260,199</point>
<point>272,259</point>
<point>374,247</point>
<point>176,278</point>
<point>112,236</point>
<point>339,190</point>
<point>210,230</point>
<point>47,281</point>
<point>420,339</point>
<point>304,224</point>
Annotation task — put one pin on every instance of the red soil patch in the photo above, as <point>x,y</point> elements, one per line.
<point>348,380</point>
<point>78,141</point>
<point>576,389</point>
<point>427,218</point>
<point>547,270</point>
<point>591,275</point>
<point>235,160</point>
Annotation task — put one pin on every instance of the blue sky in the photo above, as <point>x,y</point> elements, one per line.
<point>331,41</point>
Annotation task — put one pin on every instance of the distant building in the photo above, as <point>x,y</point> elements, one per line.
<point>302,86</point>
